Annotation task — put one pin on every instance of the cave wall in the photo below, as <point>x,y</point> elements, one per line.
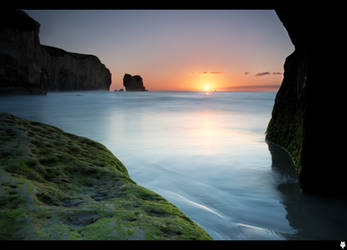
<point>307,109</point>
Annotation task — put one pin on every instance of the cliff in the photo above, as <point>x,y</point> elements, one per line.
<point>66,71</point>
<point>305,117</point>
<point>56,185</point>
<point>27,67</point>
<point>133,83</point>
<point>20,54</point>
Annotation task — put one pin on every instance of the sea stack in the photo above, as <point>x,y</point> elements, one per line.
<point>133,83</point>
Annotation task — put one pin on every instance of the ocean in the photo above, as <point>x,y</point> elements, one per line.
<point>204,152</point>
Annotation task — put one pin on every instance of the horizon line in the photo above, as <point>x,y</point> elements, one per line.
<point>115,90</point>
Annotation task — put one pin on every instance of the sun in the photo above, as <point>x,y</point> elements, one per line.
<point>207,88</point>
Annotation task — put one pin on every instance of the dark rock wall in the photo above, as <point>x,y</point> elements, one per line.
<point>305,117</point>
<point>286,125</point>
<point>26,67</point>
<point>133,83</point>
<point>20,54</point>
<point>65,71</point>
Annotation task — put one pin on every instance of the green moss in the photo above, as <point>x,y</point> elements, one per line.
<point>56,185</point>
<point>11,223</point>
<point>285,129</point>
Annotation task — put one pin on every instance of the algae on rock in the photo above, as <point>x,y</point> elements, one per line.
<point>56,185</point>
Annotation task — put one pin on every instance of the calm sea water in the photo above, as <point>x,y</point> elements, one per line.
<point>205,153</point>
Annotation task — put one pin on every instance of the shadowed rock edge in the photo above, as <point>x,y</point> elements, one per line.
<point>305,117</point>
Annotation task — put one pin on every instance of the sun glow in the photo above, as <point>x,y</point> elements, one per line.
<point>207,88</point>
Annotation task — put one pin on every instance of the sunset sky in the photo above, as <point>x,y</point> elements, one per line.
<point>227,50</point>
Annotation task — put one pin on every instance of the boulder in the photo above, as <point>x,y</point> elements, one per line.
<point>60,186</point>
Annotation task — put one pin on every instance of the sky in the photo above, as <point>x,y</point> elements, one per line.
<point>181,50</point>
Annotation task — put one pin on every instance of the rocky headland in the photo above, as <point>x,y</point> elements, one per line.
<point>133,83</point>
<point>56,185</point>
<point>67,71</point>
<point>27,67</point>
<point>20,54</point>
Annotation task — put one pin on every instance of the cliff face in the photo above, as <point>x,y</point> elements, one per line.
<point>133,83</point>
<point>65,71</point>
<point>304,119</point>
<point>26,67</point>
<point>20,54</point>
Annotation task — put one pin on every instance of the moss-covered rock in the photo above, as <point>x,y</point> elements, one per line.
<point>56,185</point>
<point>286,125</point>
